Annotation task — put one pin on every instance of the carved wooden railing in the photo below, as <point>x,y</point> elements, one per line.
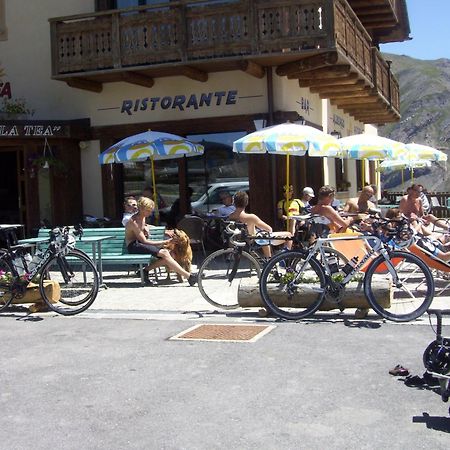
<point>385,82</point>
<point>189,31</point>
<point>352,38</point>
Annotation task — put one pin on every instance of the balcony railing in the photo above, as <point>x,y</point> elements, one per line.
<point>196,34</point>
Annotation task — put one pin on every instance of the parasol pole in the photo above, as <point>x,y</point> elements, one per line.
<point>287,189</point>
<point>412,174</point>
<point>363,173</point>
<point>154,191</point>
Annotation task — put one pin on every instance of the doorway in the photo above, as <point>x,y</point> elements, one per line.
<point>9,186</point>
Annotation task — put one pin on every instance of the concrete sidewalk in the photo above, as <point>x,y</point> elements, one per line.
<point>126,298</point>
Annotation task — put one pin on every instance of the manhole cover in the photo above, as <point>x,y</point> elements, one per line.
<point>225,333</point>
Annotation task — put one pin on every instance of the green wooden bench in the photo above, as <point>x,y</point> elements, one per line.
<point>113,251</point>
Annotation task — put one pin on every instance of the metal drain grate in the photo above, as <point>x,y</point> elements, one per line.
<point>224,333</point>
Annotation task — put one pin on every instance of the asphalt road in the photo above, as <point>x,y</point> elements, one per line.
<point>86,383</point>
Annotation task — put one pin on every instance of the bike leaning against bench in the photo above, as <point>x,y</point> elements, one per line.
<point>74,276</point>
<point>293,285</point>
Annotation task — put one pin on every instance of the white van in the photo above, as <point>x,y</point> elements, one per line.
<point>211,198</point>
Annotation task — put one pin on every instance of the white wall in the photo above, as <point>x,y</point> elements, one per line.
<point>91,178</point>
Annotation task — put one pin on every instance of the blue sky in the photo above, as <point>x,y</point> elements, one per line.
<point>430,29</point>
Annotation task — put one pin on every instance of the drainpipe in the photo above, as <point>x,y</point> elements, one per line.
<point>273,165</point>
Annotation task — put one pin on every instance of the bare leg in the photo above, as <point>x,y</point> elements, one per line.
<point>267,251</point>
<point>167,260</point>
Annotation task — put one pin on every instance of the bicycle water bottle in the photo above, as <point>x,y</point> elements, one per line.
<point>333,264</point>
<point>35,260</point>
<point>19,264</point>
<point>350,265</point>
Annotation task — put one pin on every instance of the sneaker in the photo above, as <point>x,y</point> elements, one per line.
<point>149,282</point>
<point>192,280</point>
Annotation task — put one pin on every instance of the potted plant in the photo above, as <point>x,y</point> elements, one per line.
<point>15,109</point>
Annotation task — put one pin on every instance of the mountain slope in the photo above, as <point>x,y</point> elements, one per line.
<point>425,101</point>
<point>425,111</point>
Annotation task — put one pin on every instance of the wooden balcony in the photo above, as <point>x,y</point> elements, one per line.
<point>385,20</point>
<point>320,42</point>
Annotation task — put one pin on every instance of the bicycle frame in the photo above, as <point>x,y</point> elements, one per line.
<point>376,249</point>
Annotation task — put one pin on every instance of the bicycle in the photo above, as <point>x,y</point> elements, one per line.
<point>223,272</point>
<point>72,272</point>
<point>294,285</point>
<point>436,357</point>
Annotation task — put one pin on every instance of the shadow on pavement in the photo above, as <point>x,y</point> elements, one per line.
<point>438,423</point>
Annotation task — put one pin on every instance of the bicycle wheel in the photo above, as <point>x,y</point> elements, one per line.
<point>214,276</point>
<point>292,288</point>
<point>6,295</point>
<point>77,280</point>
<point>410,296</point>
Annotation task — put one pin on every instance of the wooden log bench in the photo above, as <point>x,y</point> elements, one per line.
<point>248,296</point>
<point>114,251</point>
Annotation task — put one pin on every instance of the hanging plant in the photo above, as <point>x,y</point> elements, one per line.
<point>15,107</point>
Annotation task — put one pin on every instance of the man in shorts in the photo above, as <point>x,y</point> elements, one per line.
<point>255,224</point>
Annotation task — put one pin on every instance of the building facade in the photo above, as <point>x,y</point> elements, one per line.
<point>77,76</point>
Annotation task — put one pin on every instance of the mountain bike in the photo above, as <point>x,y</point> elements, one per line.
<point>294,285</point>
<point>70,271</point>
<point>239,265</point>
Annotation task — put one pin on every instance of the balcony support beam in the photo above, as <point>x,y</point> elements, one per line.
<point>330,90</point>
<point>306,64</point>
<point>138,78</point>
<point>253,69</point>
<point>324,73</point>
<point>194,74</point>
<point>354,101</point>
<point>87,85</point>
<point>344,95</point>
<point>350,79</point>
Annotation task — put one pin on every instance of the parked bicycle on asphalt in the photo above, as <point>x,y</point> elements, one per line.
<point>294,284</point>
<point>238,265</point>
<point>74,276</point>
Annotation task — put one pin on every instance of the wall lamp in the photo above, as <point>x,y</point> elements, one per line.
<point>336,134</point>
<point>259,124</point>
<point>300,121</point>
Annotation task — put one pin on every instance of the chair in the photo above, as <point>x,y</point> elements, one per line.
<point>194,227</point>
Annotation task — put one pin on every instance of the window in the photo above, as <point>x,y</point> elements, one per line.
<point>3,29</point>
<point>341,171</point>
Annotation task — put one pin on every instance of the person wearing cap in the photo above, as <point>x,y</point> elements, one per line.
<point>307,195</point>
<point>289,207</point>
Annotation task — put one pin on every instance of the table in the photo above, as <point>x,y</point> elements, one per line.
<point>96,242</point>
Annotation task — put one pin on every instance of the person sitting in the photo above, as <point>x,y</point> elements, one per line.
<point>227,208</point>
<point>175,214</point>
<point>411,206</point>
<point>307,195</point>
<point>361,204</point>
<point>130,208</point>
<point>255,224</point>
<point>289,207</point>
<point>330,217</point>
<point>137,242</point>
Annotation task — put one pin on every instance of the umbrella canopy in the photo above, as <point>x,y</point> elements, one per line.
<point>419,151</point>
<point>288,139</point>
<point>150,145</point>
<point>366,146</point>
<point>399,164</point>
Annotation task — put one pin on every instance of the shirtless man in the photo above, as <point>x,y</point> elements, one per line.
<point>412,207</point>
<point>136,240</point>
<point>254,223</point>
<point>361,204</point>
<point>335,222</point>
